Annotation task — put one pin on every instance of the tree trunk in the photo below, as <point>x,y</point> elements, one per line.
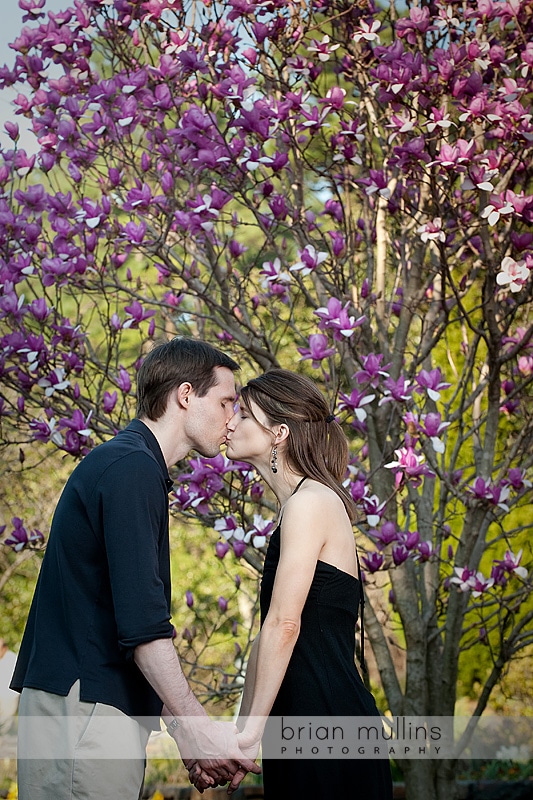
<point>419,777</point>
<point>445,780</point>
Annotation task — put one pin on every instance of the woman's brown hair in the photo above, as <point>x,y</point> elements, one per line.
<point>316,446</point>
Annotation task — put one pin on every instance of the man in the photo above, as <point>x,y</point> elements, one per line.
<point>9,699</point>
<point>97,651</point>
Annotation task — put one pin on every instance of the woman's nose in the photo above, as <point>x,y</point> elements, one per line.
<point>230,424</point>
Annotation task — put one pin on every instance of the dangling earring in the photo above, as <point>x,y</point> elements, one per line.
<point>274,460</point>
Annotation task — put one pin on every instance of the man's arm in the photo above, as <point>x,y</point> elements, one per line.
<point>196,735</point>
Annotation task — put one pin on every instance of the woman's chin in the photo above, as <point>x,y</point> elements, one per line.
<point>230,453</point>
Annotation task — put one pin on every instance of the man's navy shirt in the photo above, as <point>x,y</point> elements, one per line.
<point>104,585</point>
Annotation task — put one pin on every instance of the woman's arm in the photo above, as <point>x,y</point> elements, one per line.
<point>306,520</point>
<point>249,682</point>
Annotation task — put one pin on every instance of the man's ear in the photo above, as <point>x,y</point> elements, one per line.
<point>183,394</point>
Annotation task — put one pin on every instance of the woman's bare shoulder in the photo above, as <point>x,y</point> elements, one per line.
<point>315,498</point>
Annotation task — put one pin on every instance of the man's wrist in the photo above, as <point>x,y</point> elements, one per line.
<point>173,726</point>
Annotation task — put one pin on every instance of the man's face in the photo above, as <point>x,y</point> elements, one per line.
<point>209,415</point>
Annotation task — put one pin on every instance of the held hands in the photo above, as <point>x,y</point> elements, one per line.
<point>212,753</point>
<point>250,748</point>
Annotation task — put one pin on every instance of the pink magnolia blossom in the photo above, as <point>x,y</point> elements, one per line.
<point>419,21</point>
<point>432,231</point>
<point>409,466</point>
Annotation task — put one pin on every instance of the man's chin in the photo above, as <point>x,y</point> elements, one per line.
<point>208,452</point>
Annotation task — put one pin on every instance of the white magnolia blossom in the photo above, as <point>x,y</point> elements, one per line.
<point>514,273</point>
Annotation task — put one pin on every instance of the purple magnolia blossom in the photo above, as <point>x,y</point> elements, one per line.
<point>221,548</point>
<point>203,482</point>
<point>309,260</point>
<point>137,314</point>
<point>20,537</point>
<point>425,551</point>
<point>135,232</point>
<point>411,539</point>
<point>509,565</point>
<point>239,548</point>
<point>123,380</point>
<point>335,318</point>
<point>400,554</point>
<point>372,562</point>
<point>431,382</point>
<point>46,431</point>
<point>109,402</point>
<point>222,604</point>
<point>372,371</point>
<point>388,534</point>
<point>516,480</point>
<point>318,349</point>
<point>338,242</point>
<point>355,403</point>
<point>496,495</point>
<point>479,584</point>
<point>399,390</point>
<point>432,426</point>
<point>417,23</point>
<point>189,598</point>
<point>54,382</point>
<point>374,509</point>
<point>276,279</point>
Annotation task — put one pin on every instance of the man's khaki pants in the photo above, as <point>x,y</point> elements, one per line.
<point>73,750</point>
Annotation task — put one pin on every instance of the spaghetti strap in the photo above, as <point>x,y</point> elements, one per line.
<point>291,494</point>
<point>298,485</point>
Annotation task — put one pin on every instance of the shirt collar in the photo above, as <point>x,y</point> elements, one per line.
<point>139,427</point>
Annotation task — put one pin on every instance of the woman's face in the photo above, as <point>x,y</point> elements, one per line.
<point>246,440</point>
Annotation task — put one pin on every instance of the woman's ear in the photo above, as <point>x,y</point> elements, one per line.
<point>282,433</point>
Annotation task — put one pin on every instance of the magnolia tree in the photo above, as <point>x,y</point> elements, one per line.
<point>340,188</point>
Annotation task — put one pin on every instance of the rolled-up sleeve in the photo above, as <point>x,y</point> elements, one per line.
<point>134,519</point>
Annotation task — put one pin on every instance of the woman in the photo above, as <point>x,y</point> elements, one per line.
<point>302,662</point>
